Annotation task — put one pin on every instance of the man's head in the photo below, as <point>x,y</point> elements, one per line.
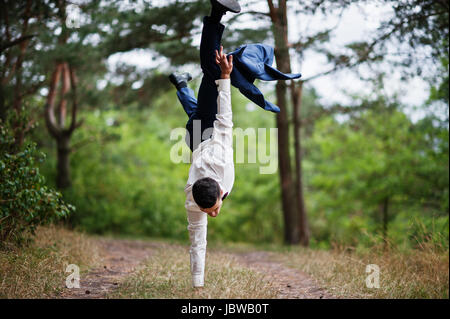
<point>208,196</point>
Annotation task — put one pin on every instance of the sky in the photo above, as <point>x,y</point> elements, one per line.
<point>356,23</point>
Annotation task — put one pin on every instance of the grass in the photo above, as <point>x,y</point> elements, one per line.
<point>420,273</point>
<point>415,274</point>
<point>167,275</point>
<point>38,270</point>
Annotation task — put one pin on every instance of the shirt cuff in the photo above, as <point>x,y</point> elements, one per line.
<point>223,85</point>
<point>197,281</point>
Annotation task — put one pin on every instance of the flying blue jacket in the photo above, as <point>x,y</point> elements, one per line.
<point>251,62</point>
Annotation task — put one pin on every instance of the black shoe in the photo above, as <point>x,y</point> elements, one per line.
<point>227,5</point>
<point>180,80</point>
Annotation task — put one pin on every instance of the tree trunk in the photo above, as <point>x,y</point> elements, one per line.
<point>63,167</point>
<point>287,186</point>
<point>290,214</point>
<point>55,124</point>
<point>19,128</point>
<point>294,209</point>
<point>2,104</point>
<point>303,228</point>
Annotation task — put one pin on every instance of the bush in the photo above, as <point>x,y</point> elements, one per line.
<point>25,200</point>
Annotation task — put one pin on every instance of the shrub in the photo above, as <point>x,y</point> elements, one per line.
<point>25,200</point>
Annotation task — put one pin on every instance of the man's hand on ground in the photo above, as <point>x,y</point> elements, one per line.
<point>226,65</point>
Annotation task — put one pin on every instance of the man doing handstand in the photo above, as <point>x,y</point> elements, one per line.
<point>211,175</point>
<point>209,128</point>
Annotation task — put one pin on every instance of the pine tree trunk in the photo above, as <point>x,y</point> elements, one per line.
<point>2,105</point>
<point>288,189</point>
<point>303,228</point>
<point>287,185</point>
<point>55,123</point>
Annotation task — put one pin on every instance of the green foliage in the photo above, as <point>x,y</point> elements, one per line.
<point>440,90</point>
<point>125,183</point>
<point>420,23</point>
<point>123,179</point>
<point>378,157</point>
<point>168,29</point>
<point>25,200</point>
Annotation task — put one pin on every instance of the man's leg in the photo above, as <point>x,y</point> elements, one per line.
<point>187,99</point>
<point>210,42</point>
<point>206,106</point>
<point>207,94</point>
<point>185,95</point>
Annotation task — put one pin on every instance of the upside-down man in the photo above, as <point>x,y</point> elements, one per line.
<point>209,128</point>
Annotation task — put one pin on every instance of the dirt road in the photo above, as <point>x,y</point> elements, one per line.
<point>120,258</point>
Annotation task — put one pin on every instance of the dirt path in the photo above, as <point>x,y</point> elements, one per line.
<point>290,283</point>
<point>121,258</point>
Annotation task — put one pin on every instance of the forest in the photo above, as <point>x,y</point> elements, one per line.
<point>360,147</point>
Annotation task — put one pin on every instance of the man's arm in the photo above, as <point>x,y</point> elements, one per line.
<point>197,227</point>
<point>224,123</point>
<point>226,64</point>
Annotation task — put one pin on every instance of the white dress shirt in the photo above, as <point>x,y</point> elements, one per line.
<point>212,158</point>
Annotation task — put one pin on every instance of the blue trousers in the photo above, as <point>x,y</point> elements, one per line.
<point>204,109</point>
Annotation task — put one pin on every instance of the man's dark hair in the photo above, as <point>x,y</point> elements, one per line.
<point>206,191</point>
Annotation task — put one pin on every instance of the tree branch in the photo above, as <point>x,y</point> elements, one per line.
<point>255,13</point>
<point>272,11</point>
<point>16,41</point>
<point>62,97</point>
<point>73,82</point>
<point>49,107</point>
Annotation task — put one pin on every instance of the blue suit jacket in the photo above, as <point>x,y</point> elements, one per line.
<point>251,62</point>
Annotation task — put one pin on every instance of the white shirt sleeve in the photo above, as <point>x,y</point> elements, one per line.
<point>197,227</point>
<point>223,124</point>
